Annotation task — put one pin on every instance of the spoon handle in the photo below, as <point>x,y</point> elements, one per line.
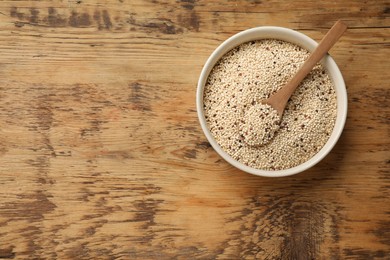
<point>323,47</point>
<point>280,98</point>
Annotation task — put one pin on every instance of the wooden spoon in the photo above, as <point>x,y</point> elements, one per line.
<point>278,101</point>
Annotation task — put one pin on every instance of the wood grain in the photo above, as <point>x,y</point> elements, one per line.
<point>102,156</point>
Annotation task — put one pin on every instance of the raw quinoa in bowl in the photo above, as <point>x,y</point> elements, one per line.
<point>248,68</point>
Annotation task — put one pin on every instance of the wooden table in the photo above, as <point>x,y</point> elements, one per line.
<point>102,155</point>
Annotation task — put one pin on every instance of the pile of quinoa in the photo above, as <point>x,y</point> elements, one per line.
<point>259,124</point>
<point>252,72</point>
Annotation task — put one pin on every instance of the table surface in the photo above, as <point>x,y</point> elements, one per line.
<point>102,155</point>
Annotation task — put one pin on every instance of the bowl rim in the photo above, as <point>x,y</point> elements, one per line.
<point>282,33</point>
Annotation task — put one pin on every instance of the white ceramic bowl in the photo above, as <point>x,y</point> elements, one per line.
<point>300,40</point>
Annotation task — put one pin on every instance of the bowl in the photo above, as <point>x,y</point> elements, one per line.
<point>288,35</point>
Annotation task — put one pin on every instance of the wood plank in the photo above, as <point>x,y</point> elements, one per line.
<point>102,156</point>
